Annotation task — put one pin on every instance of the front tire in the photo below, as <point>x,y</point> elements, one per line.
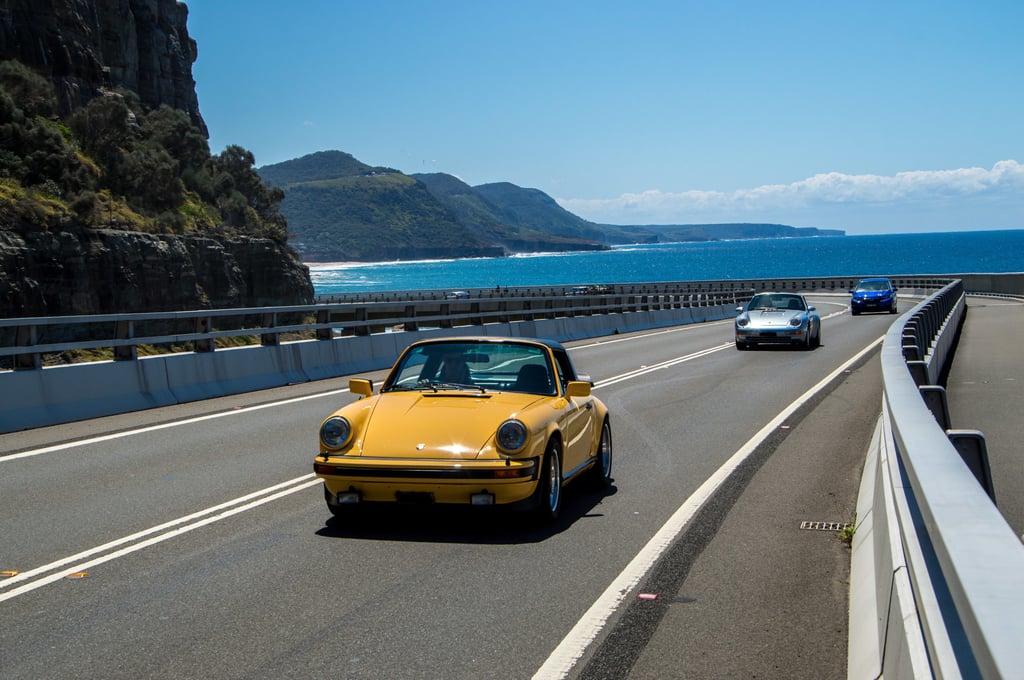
<point>549,488</point>
<point>601,474</point>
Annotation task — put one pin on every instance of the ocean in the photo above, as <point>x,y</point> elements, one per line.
<point>886,255</point>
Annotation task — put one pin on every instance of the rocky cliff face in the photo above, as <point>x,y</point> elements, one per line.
<point>90,271</point>
<point>87,46</point>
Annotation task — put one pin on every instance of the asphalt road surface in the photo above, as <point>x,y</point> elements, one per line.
<point>193,541</point>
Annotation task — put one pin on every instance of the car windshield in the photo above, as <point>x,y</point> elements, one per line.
<point>776,301</point>
<point>479,366</point>
<point>872,286</point>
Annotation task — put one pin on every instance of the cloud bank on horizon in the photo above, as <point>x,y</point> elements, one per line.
<point>912,201</point>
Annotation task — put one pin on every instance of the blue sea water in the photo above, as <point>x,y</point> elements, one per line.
<point>887,254</point>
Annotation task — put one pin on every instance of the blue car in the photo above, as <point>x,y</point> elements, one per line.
<point>873,295</point>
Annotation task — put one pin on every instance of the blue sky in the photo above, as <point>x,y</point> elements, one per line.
<point>869,116</point>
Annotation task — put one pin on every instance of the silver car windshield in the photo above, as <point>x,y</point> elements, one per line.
<point>776,301</point>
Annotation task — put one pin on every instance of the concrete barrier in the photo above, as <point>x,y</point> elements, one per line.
<point>36,398</point>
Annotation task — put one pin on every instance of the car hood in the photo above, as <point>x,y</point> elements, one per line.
<point>764,318</point>
<point>871,294</point>
<point>443,425</point>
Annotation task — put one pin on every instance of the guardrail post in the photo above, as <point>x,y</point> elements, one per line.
<point>934,397</point>
<point>270,339</point>
<point>26,336</point>
<point>362,314</point>
<point>970,444</point>
<point>202,327</point>
<point>410,312</point>
<point>323,316</point>
<point>124,330</point>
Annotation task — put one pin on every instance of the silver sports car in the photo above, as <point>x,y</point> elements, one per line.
<point>777,318</point>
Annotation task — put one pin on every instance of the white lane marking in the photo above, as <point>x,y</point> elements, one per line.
<point>163,426</point>
<point>201,519</point>
<point>643,370</point>
<point>574,644</point>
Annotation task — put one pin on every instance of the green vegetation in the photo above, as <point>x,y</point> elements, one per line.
<point>114,164</point>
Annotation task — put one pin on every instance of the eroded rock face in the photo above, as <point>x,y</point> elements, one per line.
<point>87,46</point>
<point>103,271</point>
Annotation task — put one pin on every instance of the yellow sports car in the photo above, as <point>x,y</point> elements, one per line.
<point>471,421</point>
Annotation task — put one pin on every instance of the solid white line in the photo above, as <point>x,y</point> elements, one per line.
<point>574,644</point>
<point>159,538</point>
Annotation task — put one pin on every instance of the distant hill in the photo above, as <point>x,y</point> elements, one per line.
<point>340,209</point>
<point>521,220</point>
<point>666,233</point>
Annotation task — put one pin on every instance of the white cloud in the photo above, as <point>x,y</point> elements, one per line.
<point>940,199</point>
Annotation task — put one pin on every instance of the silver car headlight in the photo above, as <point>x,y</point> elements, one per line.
<point>796,321</point>
<point>742,321</point>
<point>335,432</point>
<point>511,436</point>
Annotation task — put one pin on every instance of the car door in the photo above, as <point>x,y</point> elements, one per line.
<point>578,414</point>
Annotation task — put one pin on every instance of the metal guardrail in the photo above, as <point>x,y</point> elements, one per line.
<point>951,603</point>
<point>28,339</point>
<point>25,341</point>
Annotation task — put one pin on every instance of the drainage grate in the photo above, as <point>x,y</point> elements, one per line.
<point>825,526</point>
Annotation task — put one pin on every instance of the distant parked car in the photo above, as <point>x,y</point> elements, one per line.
<point>579,290</point>
<point>873,295</point>
<point>457,295</point>
<point>777,318</point>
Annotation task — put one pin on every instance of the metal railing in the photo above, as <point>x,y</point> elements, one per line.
<point>25,341</point>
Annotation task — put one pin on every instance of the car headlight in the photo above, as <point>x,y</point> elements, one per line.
<point>742,321</point>
<point>796,321</point>
<point>511,436</point>
<point>335,432</point>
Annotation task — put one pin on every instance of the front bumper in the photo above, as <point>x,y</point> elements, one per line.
<point>388,480</point>
<point>779,336</point>
<point>872,304</point>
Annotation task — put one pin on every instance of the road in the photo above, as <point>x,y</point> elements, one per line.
<point>193,541</point>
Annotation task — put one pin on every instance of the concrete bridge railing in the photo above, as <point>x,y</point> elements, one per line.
<point>937,575</point>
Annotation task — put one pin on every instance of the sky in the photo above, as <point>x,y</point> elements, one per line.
<point>870,116</point>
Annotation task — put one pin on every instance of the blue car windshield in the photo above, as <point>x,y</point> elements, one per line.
<point>872,286</point>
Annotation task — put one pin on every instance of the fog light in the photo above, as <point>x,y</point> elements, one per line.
<point>348,497</point>
<point>482,498</point>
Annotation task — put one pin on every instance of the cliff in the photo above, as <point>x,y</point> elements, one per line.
<point>86,47</point>
<point>104,271</point>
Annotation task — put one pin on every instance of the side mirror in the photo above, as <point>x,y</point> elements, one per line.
<point>739,310</point>
<point>811,308</point>
<point>361,386</point>
<point>577,388</point>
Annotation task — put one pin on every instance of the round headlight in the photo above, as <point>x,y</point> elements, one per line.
<point>742,321</point>
<point>511,436</point>
<point>335,432</point>
<point>796,321</point>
